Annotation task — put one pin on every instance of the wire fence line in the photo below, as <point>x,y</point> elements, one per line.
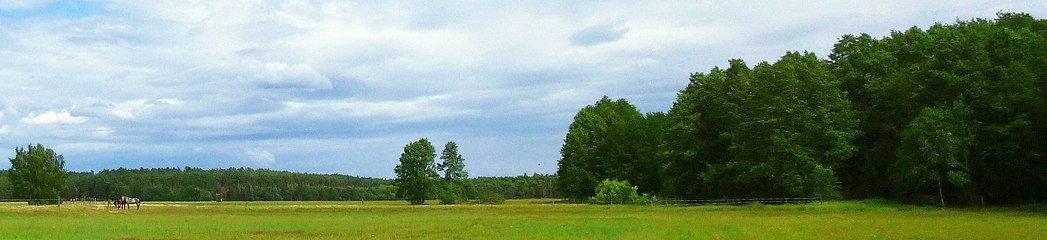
<point>740,201</point>
<point>699,202</point>
<point>58,201</point>
<point>666,202</point>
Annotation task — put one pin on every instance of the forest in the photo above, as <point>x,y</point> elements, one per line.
<point>948,115</point>
<point>245,184</point>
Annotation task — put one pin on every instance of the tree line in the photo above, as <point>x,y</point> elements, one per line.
<point>50,181</point>
<point>951,114</point>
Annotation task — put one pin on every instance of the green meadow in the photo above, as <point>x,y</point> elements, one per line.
<point>517,219</point>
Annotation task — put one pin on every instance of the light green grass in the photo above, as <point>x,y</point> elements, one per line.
<point>517,219</point>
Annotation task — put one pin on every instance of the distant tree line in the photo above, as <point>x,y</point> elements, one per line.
<point>38,173</point>
<point>523,186</point>
<point>235,184</point>
<point>951,114</point>
<point>245,184</point>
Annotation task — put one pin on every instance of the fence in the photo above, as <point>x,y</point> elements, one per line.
<point>740,201</point>
<point>698,202</point>
<point>58,201</point>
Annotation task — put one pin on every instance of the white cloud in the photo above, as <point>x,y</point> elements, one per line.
<point>52,117</point>
<point>5,129</point>
<point>128,109</point>
<point>425,108</point>
<point>259,157</point>
<point>132,109</point>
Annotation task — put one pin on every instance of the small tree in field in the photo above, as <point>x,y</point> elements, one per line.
<point>416,175</point>
<point>37,173</point>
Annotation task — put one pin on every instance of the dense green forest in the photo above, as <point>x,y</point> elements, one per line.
<point>245,184</point>
<point>523,186</point>
<point>951,114</point>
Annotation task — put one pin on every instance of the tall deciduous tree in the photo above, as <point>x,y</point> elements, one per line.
<point>455,176</point>
<point>793,126</point>
<point>933,152</point>
<point>37,173</point>
<point>603,142</point>
<point>647,167</point>
<point>775,130</point>
<point>416,175</point>
<point>695,133</point>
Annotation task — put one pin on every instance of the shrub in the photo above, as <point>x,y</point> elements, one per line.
<point>619,192</point>
<point>451,194</point>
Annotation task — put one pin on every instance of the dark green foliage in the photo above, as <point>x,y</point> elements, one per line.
<point>993,68</point>
<point>524,186</point>
<point>451,194</point>
<point>416,176</point>
<point>794,125</point>
<point>647,167</point>
<point>772,131</point>
<point>604,141</point>
<point>243,184</point>
<point>698,121</point>
<point>5,186</point>
<point>454,184</point>
<point>37,173</point>
<point>453,164</point>
<point>235,184</point>
<point>933,152</point>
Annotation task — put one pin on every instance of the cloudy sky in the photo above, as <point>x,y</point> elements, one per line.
<point>342,86</point>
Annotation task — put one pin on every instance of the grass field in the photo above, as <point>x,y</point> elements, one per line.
<point>517,219</point>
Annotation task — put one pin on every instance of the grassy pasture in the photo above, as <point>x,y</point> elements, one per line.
<point>517,219</point>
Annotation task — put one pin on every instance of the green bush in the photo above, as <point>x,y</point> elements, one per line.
<point>449,199</point>
<point>452,193</point>
<point>619,192</point>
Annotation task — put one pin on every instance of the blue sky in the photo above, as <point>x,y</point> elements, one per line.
<point>342,86</point>
<point>50,9</point>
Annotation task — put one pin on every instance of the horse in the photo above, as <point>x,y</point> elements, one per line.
<point>123,202</point>
<point>137,202</point>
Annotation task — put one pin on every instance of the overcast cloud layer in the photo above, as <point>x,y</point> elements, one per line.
<point>341,87</point>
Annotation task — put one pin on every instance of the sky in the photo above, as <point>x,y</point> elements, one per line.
<point>342,86</point>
